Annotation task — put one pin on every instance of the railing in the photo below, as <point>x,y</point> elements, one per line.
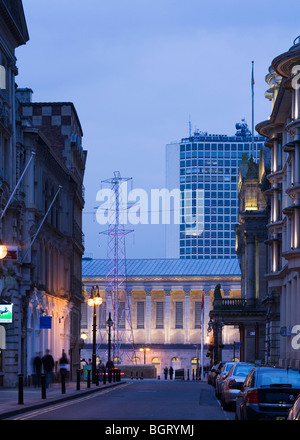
<point>78,235</point>
<point>230,304</point>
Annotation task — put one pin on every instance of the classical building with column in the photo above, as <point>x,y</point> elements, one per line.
<point>249,312</point>
<point>165,306</point>
<point>282,128</point>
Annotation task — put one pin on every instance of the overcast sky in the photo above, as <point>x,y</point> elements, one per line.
<point>136,70</point>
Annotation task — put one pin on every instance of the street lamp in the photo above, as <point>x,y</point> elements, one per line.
<point>3,251</point>
<point>93,301</point>
<point>144,349</point>
<point>109,323</point>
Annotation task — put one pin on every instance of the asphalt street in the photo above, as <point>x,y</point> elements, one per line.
<point>140,400</point>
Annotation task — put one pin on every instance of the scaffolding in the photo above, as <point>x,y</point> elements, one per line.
<point>117,298</point>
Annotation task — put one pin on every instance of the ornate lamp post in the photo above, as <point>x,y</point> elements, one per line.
<point>94,300</point>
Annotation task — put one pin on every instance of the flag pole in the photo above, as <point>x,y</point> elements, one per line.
<point>252,89</point>
<point>202,338</point>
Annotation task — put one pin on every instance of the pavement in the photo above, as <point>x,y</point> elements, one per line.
<point>33,399</point>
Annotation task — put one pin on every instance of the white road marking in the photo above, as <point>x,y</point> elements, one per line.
<point>54,407</point>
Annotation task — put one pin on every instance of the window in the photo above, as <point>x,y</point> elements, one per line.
<point>140,319</point>
<point>197,314</point>
<point>179,314</point>
<point>122,314</point>
<point>102,314</point>
<point>159,314</point>
<point>84,316</point>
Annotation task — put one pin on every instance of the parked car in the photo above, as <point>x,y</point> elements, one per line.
<point>219,379</point>
<point>212,375</point>
<point>294,412</point>
<point>268,393</point>
<point>233,383</point>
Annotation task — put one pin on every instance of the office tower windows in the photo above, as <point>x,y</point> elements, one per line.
<point>205,168</point>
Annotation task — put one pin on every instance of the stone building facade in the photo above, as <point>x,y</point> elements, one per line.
<point>42,164</point>
<point>13,33</point>
<point>282,129</point>
<point>52,218</point>
<point>165,302</point>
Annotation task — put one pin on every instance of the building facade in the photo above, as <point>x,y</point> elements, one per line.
<point>42,165</point>
<point>165,300</point>
<point>52,226</point>
<point>13,33</point>
<point>282,130</point>
<point>205,168</point>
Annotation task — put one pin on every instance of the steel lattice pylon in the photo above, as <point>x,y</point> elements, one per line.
<point>117,299</point>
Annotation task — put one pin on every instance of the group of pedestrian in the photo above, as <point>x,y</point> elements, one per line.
<point>47,364</point>
<point>170,371</point>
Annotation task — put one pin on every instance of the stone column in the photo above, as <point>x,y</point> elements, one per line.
<point>187,291</point>
<point>250,277</point>
<point>282,320</point>
<point>206,293</point>
<point>287,339</point>
<point>297,163</point>
<point>128,310</point>
<point>148,291</point>
<point>167,291</point>
<point>296,228</point>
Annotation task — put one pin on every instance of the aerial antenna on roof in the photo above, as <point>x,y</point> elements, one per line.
<point>252,89</point>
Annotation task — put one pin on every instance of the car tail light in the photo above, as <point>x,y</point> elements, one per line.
<point>252,396</point>
<point>231,383</point>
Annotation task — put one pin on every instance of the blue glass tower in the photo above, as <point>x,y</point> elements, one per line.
<point>205,168</point>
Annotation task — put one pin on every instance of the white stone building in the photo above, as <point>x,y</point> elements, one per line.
<point>165,297</point>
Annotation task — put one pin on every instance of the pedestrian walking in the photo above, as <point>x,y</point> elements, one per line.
<point>37,368</point>
<point>100,369</point>
<point>171,372</point>
<point>63,364</point>
<point>166,373</point>
<point>48,365</point>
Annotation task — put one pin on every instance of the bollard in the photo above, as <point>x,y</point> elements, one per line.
<point>114,375</point>
<point>132,375</point>
<point>142,375</point>
<point>188,374</point>
<point>137,375</point>
<point>97,377</point>
<point>104,375</point>
<point>158,377</point>
<point>43,385</point>
<point>193,375</point>
<point>63,383</point>
<point>78,380</point>
<point>89,379</point>
<point>21,395</point>
<point>109,375</point>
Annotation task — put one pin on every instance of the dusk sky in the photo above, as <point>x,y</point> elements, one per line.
<point>137,70</point>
